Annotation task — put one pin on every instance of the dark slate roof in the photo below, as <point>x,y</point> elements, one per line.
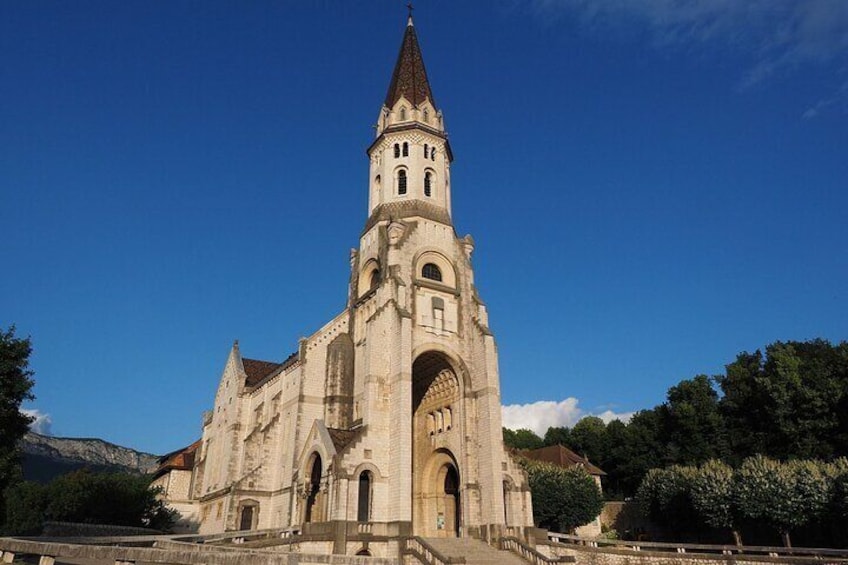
<point>257,370</point>
<point>409,78</point>
<point>561,456</point>
<point>405,209</point>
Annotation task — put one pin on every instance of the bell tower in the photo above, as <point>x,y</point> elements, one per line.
<point>425,389</point>
<point>411,156</point>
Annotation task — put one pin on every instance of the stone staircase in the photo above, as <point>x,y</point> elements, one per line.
<point>475,552</point>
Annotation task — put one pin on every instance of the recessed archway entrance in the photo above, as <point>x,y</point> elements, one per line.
<point>314,489</point>
<point>436,437</point>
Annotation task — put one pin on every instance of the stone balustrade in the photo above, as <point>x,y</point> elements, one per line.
<point>173,554</point>
<point>593,551</point>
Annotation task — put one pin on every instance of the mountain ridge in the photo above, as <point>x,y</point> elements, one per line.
<point>46,457</point>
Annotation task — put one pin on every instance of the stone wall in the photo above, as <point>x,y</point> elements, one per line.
<point>617,556</point>
<point>73,529</point>
<point>196,555</point>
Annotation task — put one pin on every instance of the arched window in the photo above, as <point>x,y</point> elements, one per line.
<point>426,117</point>
<point>377,181</point>
<point>363,512</point>
<point>405,149</point>
<point>397,150</point>
<point>426,150</point>
<point>375,279</point>
<point>433,154</point>
<point>427,189</point>
<point>402,114</point>
<point>401,181</point>
<point>432,272</point>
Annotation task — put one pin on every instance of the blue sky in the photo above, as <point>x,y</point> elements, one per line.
<point>653,187</point>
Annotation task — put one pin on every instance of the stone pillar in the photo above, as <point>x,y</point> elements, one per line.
<point>8,556</point>
<point>46,560</point>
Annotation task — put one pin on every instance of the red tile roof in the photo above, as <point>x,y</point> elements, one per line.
<point>179,460</point>
<point>561,456</point>
<point>257,370</point>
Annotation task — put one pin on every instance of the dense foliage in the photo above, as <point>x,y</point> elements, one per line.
<point>82,496</point>
<point>15,387</point>
<point>563,499</point>
<point>784,496</point>
<point>790,402</point>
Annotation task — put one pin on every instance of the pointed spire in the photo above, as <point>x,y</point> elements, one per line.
<point>410,78</point>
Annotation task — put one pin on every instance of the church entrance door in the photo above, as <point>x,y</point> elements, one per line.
<point>436,437</point>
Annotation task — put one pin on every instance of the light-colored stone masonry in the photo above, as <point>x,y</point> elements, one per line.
<point>589,552</point>
<point>397,397</point>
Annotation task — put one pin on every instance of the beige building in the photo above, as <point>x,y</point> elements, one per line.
<point>387,420</point>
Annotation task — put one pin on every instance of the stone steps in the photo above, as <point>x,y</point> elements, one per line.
<point>474,551</point>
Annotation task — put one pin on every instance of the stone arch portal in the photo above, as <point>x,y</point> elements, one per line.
<point>436,436</point>
<point>313,491</point>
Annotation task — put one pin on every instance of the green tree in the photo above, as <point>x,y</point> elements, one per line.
<point>692,423</point>
<point>640,450</point>
<point>15,387</point>
<point>558,436</point>
<point>712,493</point>
<point>563,499</point>
<point>840,494</point>
<point>589,438</point>
<point>25,502</point>
<point>106,498</point>
<point>789,403</point>
<point>665,497</point>
<point>784,495</point>
<point>522,439</point>
<point>615,458</point>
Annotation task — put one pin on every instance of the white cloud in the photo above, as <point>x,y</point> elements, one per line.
<point>776,35</point>
<point>42,422</point>
<point>543,414</point>
<point>839,99</point>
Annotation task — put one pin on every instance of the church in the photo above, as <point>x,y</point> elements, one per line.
<point>386,421</point>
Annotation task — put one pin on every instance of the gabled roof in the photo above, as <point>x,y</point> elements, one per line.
<point>562,457</point>
<point>409,79</point>
<point>179,460</point>
<point>257,370</point>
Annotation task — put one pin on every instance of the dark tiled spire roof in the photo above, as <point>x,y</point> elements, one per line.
<point>410,78</point>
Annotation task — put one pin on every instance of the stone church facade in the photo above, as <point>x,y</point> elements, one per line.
<point>388,418</point>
